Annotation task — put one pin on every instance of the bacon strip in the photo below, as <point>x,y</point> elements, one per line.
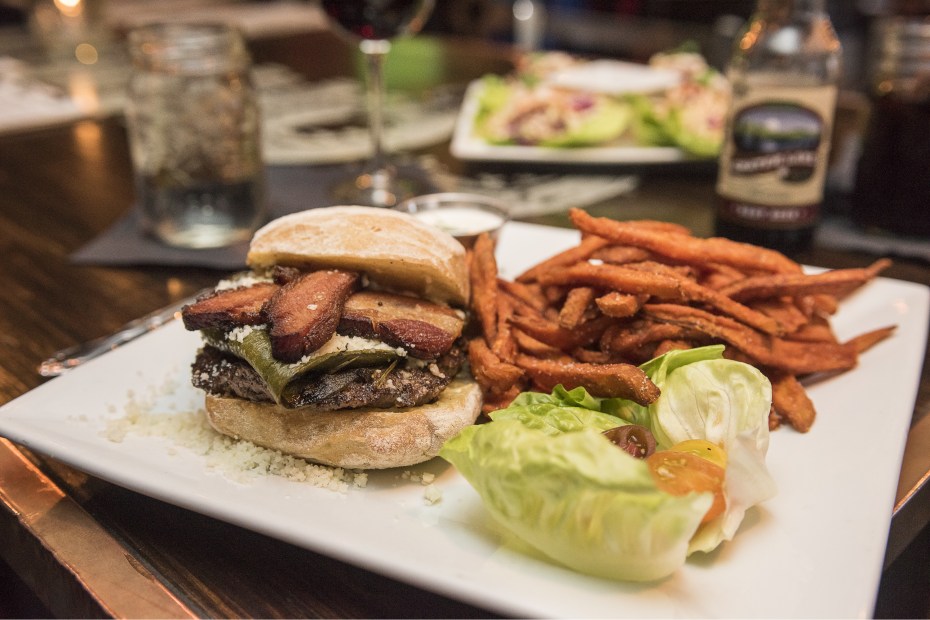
<point>425,329</point>
<point>229,308</point>
<point>304,313</point>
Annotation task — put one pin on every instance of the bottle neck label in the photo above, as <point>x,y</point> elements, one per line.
<point>776,150</point>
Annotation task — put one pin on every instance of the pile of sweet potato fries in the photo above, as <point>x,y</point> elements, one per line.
<point>630,291</point>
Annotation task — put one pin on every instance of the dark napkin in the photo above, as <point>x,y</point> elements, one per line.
<point>290,189</point>
<point>838,232</point>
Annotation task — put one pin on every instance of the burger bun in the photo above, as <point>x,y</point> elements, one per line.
<point>393,249</point>
<point>351,438</point>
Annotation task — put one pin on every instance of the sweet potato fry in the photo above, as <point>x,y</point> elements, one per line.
<point>671,345</point>
<point>686,249</point>
<point>835,282</point>
<point>608,380</point>
<point>589,356</point>
<point>494,375</point>
<point>821,303</point>
<point>617,278</point>
<point>651,266</point>
<point>717,276</point>
<point>799,358</point>
<point>503,345</point>
<point>790,401</point>
<point>695,292</point>
<point>667,228</point>
<point>483,275</point>
<point>620,305</point>
<point>864,342</point>
<point>531,346</point>
<point>493,402</point>
<point>576,306</point>
<point>530,294</point>
<point>817,329</point>
<point>580,252</point>
<point>620,254</point>
<point>557,336</point>
<point>627,340</point>
<point>783,310</point>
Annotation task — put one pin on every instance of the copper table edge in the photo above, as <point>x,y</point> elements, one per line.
<point>910,514</point>
<point>60,541</point>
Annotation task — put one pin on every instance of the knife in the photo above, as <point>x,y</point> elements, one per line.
<point>72,357</point>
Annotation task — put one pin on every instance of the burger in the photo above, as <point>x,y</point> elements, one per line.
<point>344,343</point>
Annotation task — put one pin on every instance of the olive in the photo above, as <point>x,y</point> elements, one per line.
<point>634,439</point>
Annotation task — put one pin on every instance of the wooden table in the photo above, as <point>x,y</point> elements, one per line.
<point>89,548</point>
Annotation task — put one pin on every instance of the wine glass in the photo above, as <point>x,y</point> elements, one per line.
<point>373,24</point>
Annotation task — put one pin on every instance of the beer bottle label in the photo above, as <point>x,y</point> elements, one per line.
<point>774,161</point>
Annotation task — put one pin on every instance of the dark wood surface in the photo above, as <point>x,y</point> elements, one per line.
<point>61,187</point>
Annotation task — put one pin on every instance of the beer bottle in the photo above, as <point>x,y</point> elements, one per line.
<point>784,73</point>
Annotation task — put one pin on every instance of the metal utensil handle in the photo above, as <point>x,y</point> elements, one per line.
<point>72,357</point>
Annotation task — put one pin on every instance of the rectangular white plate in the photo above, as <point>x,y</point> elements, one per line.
<point>814,550</point>
<point>466,145</point>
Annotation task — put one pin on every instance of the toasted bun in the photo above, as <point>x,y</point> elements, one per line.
<point>393,249</point>
<point>351,438</point>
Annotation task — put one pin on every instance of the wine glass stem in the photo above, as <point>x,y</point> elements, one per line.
<point>375,52</point>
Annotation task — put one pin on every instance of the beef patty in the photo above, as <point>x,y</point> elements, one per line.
<point>407,385</point>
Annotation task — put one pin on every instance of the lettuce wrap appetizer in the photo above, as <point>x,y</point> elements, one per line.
<point>691,115</point>
<point>523,113</point>
<point>547,471</point>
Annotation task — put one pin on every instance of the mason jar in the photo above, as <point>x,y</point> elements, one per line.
<point>194,134</point>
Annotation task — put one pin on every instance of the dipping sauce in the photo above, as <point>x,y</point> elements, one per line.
<point>464,216</point>
<point>461,221</point>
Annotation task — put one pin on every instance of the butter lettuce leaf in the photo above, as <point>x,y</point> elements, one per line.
<point>577,498</point>
<point>547,474</point>
<point>727,403</point>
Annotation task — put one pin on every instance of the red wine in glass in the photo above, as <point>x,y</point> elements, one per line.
<point>372,24</point>
<point>378,19</point>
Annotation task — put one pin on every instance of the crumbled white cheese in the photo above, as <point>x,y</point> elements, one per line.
<point>239,460</point>
<point>241,279</point>
<point>312,306</point>
<point>431,494</point>
<point>434,370</point>
<point>239,334</point>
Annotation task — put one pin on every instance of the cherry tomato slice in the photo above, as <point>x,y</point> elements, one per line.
<point>680,473</point>
<point>704,449</point>
<point>634,439</point>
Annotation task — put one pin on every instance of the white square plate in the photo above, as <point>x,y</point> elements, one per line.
<point>814,550</point>
<point>467,145</point>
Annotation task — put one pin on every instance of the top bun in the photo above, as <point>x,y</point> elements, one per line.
<point>393,249</point>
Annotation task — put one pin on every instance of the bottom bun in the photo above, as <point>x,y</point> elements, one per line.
<point>351,438</point>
